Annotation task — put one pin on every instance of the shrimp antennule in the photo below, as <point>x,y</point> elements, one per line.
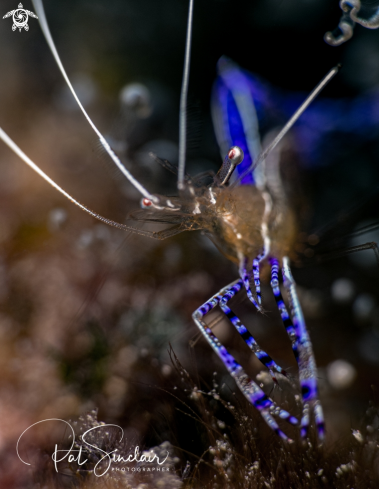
<point>13,146</point>
<point>116,160</point>
<point>183,100</point>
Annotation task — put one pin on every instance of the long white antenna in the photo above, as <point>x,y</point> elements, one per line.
<point>183,101</point>
<point>13,146</point>
<point>291,122</point>
<point>38,6</point>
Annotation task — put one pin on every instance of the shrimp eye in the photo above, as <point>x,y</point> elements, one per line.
<point>145,203</point>
<point>235,155</point>
<point>233,158</point>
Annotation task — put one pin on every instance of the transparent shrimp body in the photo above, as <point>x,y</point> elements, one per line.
<point>254,225</point>
<point>248,226</point>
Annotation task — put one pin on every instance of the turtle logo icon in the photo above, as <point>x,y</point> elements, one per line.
<point>20,18</point>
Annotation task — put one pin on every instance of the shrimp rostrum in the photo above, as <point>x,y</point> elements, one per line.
<point>243,210</point>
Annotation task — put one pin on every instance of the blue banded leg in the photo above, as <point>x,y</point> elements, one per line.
<point>253,393</point>
<point>257,281</point>
<point>245,278</point>
<point>306,360</point>
<point>282,307</point>
<point>230,292</point>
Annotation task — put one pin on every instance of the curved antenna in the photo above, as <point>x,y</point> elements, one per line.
<point>371,14</point>
<point>13,146</point>
<point>183,101</point>
<point>291,122</point>
<point>343,33</point>
<point>38,6</point>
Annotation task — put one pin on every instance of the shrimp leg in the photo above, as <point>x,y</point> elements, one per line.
<point>306,360</point>
<point>245,278</point>
<point>228,293</point>
<point>253,393</point>
<point>282,307</point>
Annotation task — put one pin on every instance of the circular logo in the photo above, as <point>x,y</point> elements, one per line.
<point>20,19</point>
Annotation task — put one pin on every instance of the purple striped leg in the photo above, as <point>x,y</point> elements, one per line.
<point>245,278</point>
<point>306,360</point>
<point>282,307</point>
<point>257,281</point>
<point>253,393</point>
<point>267,361</point>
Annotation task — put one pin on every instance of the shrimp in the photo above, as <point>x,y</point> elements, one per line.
<point>252,224</point>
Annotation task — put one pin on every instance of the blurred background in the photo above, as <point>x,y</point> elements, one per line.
<point>87,312</point>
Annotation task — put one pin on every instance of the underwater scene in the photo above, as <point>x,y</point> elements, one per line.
<point>207,314</point>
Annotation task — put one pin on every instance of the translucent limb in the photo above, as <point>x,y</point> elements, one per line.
<point>353,12</point>
<point>282,307</point>
<point>228,293</point>
<point>257,282</point>
<point>306,360</point>
<point>364,230</point>
<point>195,180</point>
<point>353,249</point>
<point>343,32</point>
<point>245,278</point>
<point>46,31</point>
<point>253,393</point>
<point>167,165</point>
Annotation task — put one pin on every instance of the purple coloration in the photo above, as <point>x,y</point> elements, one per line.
<point>306,360</point>
<point>257,281</point>
<point>245,277</point>
<point>309,389</point>
<point>245,334</point>
<point>319,134</point>
<point>282,307</point>
<point>234,115</point>
<point>248,387</point>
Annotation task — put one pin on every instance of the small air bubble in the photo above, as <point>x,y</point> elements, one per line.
<point>363,306</point>
<point>136,96</point>
<point>313,239</point>
<point>341,374</point>
<point>85,239</point>
<point>57,217</point>
<point>144,352</point>
<point>166,370</point>
<point>343,290</point>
